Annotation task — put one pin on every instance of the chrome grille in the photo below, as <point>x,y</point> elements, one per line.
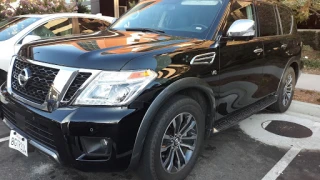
<point>46,86</point>
<point>75,85</point>
<point>38,86</point>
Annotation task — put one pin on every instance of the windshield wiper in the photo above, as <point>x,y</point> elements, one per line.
<point>145,30</point>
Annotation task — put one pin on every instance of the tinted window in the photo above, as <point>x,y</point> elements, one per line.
<point>187,18</point>
<point>240,10</point>
<point>286,19</point>
<point>13,26</point>
<point>57,27</point>
<point>267,20</point>
<point>3,22</point>
<point>88,26</point>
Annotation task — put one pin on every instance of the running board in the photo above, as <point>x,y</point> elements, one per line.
<point>235,118</point>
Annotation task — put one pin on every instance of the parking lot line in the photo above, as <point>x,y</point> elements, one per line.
<point>4,139</point>
<point>276,171</point>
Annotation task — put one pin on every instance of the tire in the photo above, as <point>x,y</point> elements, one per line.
<point>282,105</point>
<point>152,164</point>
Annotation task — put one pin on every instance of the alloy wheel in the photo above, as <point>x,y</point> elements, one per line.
<point>178,142</point>
<point>287,91</point>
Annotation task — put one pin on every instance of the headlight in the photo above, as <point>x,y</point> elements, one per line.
<point>115,88</point>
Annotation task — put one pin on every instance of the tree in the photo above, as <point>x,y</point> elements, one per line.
<point>132,3</point>
<point>35,7</point>
<point>302,8</point>
<point>82,8</point>
<point>5,10</point>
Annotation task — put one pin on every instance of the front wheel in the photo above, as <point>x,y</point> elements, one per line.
<point>286,92</point>
<point>174,140</point>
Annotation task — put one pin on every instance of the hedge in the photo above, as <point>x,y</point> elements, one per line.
<point>311,38</point>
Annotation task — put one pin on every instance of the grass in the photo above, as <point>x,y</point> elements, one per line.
<point>314,64</point>
<point>311,59</point>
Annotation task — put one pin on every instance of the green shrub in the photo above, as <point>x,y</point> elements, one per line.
<point>311,38</point>
<point>313,64</point>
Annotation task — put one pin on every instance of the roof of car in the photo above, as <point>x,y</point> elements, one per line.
<point>67,15</point>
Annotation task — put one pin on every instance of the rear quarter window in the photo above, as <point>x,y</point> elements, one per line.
<point>286,19</point>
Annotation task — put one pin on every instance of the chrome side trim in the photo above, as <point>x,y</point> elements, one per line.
<point>8,124</point>
<point>59,87</point>
<point>45,150</point>
<point>207,58</point>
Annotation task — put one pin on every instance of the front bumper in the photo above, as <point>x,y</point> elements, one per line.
<point>60,134</point>
<point>51,153</point>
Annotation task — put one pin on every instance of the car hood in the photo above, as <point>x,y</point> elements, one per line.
<point>107,50</point>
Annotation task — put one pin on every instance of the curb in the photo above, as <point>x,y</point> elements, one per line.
<point>308,82</point>
<point>305,108</point>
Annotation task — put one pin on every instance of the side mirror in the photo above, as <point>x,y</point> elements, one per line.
<point>30,38</point>
<point>242,28</point>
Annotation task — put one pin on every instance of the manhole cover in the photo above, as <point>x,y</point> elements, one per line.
<point>287,129</point>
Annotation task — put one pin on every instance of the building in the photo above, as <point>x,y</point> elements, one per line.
<point>113,8</point>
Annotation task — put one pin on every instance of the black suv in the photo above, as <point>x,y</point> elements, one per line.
<point>146,92</point>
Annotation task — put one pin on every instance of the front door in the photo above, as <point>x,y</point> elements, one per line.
<point>241,64</point>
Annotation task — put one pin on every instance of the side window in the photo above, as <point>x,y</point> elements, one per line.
<point>88,26</point>
<point>240,10</point>
<point>286,20</point>
<point>267,20</point>
<point>53,28</point>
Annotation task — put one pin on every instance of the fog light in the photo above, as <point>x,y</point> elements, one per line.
<point>104,142</point>
<point>95,148</point>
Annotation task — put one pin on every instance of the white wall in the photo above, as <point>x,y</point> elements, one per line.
<point>95,6</point>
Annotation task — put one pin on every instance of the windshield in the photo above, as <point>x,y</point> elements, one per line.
<point>187,18</point>
<point>13,26</point>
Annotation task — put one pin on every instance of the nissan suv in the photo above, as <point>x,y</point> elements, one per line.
<point>146,92</point>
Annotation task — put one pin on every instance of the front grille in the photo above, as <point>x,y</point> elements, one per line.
<point>76,84</point>
<point>38,86</point>
<point>35,127</point>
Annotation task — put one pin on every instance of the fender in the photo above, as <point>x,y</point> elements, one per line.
<point>291,60</point>
<point>185,83</point>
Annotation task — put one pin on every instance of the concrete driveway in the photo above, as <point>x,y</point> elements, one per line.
<point>255,149</point>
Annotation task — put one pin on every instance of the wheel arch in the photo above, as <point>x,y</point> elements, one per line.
<point>293,62</point>
<point>192,87</point>
<point>296,69</point>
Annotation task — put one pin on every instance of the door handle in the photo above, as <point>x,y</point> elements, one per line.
<point>257,51</point>
<point>284,46</point>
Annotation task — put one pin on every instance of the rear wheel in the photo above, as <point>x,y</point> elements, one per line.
<point>174,140</point>
<point>286,92</point>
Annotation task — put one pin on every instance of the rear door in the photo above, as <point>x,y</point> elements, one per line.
<point>276,33</point>
<point>241,64</point>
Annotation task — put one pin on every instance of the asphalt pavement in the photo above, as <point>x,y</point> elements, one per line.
<point>247,151</point>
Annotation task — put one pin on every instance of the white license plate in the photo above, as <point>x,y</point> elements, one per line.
<point>18,142</point>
